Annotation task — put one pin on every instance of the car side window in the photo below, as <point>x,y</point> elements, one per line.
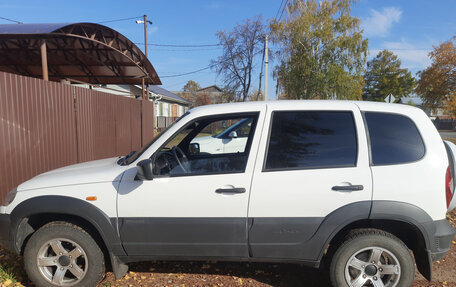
<point>394,139</point>
<point>311,139</point>
<point>211,145</point>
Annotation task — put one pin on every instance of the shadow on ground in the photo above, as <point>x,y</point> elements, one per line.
<point>219,274</point>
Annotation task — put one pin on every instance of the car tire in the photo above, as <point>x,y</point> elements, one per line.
<point>63,254</point>
<point>369,255</point>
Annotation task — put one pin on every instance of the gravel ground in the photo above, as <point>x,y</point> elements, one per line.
<point>182,274</point>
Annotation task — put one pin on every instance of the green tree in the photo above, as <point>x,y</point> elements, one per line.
<point>322,51</point>
<point>437,83</point>
<point>385,76</point>
<point>240,49</point>
<point>191,86</point>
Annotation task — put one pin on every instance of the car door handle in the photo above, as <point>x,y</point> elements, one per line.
<point>347,187</point>
<point>230,190</point>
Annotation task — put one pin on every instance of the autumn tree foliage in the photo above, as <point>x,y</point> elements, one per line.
<point>437,83</point>
<point>450,104</point>
<point>385,76</point>
<point>202,100</point>
<point>322,51</point>
<point>256,95</point>
<point>188,91</point>
<point>191,86</point>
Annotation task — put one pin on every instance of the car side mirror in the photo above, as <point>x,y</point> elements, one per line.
<point>233,135</point>
<point>194,148</point>
<point>145,169</point>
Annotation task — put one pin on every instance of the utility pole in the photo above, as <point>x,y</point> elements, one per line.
<point>145,22</point>
<point>266,61</point>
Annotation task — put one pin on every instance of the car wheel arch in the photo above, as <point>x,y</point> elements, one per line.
<point>44,209</point>
<point>399,228</point>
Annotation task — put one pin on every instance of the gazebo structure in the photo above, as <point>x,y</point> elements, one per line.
<point>76,52</point>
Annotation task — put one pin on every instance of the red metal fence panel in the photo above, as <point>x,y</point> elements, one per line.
<point>147,113</point>
<point>46,125</point>
<point>135,124</point>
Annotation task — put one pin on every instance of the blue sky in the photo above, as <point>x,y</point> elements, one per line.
<point>408,28</point>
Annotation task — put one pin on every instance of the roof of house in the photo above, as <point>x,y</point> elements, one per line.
<point>85,52</point>
<point>168,95</point>
<point>210,89</point>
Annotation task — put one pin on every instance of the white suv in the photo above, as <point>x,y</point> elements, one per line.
<point>352,184</point>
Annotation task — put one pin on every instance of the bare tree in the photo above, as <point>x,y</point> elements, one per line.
<point>240,48</point>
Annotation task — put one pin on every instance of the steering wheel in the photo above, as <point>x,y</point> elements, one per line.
<point>183,161</point>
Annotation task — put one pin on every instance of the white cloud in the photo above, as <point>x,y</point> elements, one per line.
<point>152,29</point>
<point>380,23</point>
<point>213,6</point>
<point>412,57</point>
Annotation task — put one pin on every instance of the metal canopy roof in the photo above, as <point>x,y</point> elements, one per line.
<point>86,52</point>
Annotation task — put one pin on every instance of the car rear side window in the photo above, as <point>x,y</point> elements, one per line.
<point>394,139</point>
<point>311,139</point>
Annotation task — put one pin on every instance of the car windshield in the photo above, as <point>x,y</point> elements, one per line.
<point>128,159</point>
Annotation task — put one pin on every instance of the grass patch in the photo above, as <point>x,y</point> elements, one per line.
<point>12,272</point>
<point>6,276</point>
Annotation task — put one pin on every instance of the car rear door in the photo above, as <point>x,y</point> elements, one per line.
<point>312,176</point>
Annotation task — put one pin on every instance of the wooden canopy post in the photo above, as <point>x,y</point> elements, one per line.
<point>44,64</point>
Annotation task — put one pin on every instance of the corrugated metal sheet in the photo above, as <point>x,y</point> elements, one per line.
<point>147,114</point>
<point>46,125</point>
<point>135,125</point>
<point>37,129</point>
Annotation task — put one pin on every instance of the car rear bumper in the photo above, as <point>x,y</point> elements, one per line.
<point>441,239</point>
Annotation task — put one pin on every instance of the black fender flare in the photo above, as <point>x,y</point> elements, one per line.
<point>53,204</point>
<point>415,216</point>
<point>332,224</point>
<point>405,212</point>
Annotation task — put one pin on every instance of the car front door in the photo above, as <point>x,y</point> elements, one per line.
<point>196,204</point>
<point>312,177</point>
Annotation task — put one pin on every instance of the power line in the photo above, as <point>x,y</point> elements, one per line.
<point>183,82</point>
<point>185,50</point>
<point>180,46</point>
<point>283,9</point>
<point>17,22</point>
<point>122,19</point>
<point>172,73</point>
<point>199,70</point>
<point>401,49</point>
<point>277,14</point>
<point>189,73</point>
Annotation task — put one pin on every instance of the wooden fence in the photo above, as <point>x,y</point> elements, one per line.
<point>45,125</point>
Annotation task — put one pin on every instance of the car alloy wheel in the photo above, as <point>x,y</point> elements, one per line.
<point>373,266</point>
<point>62,262</point>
